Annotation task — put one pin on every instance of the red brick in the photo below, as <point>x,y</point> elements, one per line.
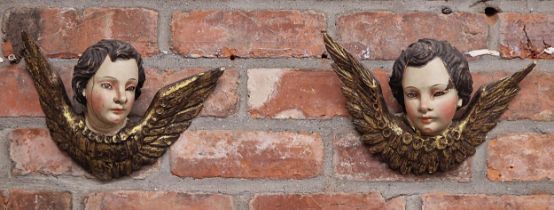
<point>66,32</point>
<point>138,200</point>
<point>383,35</point>
<point>492,202</point>
<point>241,154</point>
<point>34,152</point>
<point>16,83</point>
<point>3,201</point>
<point>223,33</point>
<point>7,48</point>
<point>535,101</point>
<point>286,93</point>
<point>38,200</point>
<point>521,157</point>
<point>300,94</point>
<point>19,97</point>
<point>336,201</point>
<point>353,161</point>
<point>513,41</point>
<point>221,103</point>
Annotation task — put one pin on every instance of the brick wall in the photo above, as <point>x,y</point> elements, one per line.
<point>275,134</point>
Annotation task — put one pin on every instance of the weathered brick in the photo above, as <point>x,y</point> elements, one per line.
<point>535,101</point>
<point>299,94</point>
<point>242,154</point>
<point>526,35</point>
<point>224,33</point>
<point>286,93</point>
<point>521,157</point>
<point>19,97</point>
<point>337,201</point>
<point>353,161</point>
<point>16,83</point>
<point>3,201</point>
<point>138,200</point>
<point>38,200</point>
<point>493,202</point>
<point>34,152</point>
<point>383,35</point>
<point>221,103</point>
<point>67,32</point>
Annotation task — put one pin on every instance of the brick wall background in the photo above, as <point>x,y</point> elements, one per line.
<point>275,134</point>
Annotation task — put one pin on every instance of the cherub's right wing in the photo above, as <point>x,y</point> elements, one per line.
<point>366,105</point>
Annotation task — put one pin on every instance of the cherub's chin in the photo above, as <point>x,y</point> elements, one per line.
<point>429,131</point>
<point>118,121</point>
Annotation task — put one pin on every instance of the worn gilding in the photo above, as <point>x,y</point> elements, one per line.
<point>134,146</point>
<point>390,138</point>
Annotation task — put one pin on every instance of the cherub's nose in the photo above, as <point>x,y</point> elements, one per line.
<point>425,104</point>
<point>120,96</point>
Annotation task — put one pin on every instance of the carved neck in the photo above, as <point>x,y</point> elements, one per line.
<point>100,128</point>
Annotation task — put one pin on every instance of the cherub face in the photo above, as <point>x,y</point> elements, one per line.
<point>429,100</point>
<point>110,95</point>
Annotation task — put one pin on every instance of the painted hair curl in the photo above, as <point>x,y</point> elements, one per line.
<point>423,51</point>
<point>94,56</point>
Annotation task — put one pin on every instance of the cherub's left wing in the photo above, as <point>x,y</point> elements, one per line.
<point>61,120</point>
<point>170,113</point>
<point>488,104</point>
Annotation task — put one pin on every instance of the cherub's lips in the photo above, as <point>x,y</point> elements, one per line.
<point>118,110</point>
<point>426,119</point>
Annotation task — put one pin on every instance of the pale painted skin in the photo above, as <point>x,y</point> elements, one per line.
<point>110,95</point>
<point>430,104</point>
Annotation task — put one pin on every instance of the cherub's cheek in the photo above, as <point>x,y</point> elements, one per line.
<point>97,103</point>
<point>410,111</point>
<point>130,100</point>
<point>448,109</point>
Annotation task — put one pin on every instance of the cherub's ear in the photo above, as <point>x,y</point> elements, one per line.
<point>460,102</point>
<point>84,93</point>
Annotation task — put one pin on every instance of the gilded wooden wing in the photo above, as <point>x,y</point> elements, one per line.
<point>61,120</point>
<point>137,144</point>
<point>391,139</point>
<point>484,110</point>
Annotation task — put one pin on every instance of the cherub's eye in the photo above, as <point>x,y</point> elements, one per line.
<point>106,86</point>
<point>130,88</point>
<point>411,94</point>
<point>439,93</point>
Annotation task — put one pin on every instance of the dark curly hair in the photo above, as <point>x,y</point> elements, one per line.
<point>423,51</point>
<point>94,56</point>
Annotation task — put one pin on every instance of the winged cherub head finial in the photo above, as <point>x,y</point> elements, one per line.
<point>107,79</point>
<point>431,80</point>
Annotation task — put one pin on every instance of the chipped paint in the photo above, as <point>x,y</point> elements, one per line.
<point>262,85</point>
<point>366,54</point>
<point>290,114</point>
<point>475,53</point>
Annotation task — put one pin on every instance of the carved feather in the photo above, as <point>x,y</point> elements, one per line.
<point>391,139</point>
<point>107,157</point>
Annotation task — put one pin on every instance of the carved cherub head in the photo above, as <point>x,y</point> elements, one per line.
<point>431,80</point>
<point>107,79</point>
